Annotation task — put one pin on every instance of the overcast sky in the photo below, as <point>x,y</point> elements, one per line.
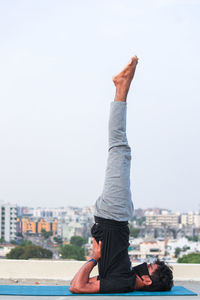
<point>57,59</point>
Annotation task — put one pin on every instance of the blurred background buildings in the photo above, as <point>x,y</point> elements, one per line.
<point>154,232</point>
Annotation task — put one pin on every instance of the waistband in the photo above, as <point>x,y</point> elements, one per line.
<point>110,222</point>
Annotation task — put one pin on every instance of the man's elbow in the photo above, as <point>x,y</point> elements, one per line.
<point>88,288</point>
<point>75,289</point>
<point>72,289</point>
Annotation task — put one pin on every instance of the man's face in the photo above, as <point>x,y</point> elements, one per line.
<point>145,269</point>
<point>144,272</point>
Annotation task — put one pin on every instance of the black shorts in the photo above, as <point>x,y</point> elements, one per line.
<point>115,242</point>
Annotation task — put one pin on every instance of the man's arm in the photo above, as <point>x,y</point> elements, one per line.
<point>81,283</point>
<point>91,279</point>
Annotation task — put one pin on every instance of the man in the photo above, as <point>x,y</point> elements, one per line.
<point>113,209</point>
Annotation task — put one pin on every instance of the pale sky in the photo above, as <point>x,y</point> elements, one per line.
<point>57,59</point>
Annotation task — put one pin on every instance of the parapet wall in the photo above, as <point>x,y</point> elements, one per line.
<point>65,270</point>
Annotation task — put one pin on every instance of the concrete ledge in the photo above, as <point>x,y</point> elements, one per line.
<point>186,272</point>
<point>40,269</point>
<point>65,270</point>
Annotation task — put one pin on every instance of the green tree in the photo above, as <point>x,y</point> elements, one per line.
<point>15,253</point>
<point>78,241</point>
<point>58,239</point>
<point>141,221</point>
<point>134,231</point>
<point>185,248</point>
<point>13,242</point>
<point>19,234</point>
<point>72,252</point>
<point>194,238</point>
<point>177,251</point>
<point>46,234</point>
<point>26,243</point>
<point>192,258</point>
<point>26,252</point>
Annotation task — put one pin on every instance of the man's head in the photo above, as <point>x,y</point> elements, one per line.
<point>153,277</point>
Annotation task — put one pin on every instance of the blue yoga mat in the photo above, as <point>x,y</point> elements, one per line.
<point>31,290</point>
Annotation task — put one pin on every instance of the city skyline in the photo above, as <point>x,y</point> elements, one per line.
<point>24,204</point>
<point>153,208</point>
<point>57,62</point>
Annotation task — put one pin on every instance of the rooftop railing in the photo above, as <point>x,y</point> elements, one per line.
<point>65,270</point>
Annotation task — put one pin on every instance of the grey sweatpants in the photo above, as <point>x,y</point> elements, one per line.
<point>115,201</point>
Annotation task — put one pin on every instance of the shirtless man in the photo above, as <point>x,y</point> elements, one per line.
<point>113,209</point>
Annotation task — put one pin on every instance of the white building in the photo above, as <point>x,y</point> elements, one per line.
<point>8,218</point>
<point>67,230</point>
<point>191,219</point>
<point>149,249</point>
<point>164,218</point>
<point>57,212</point>
<point>47,212</point>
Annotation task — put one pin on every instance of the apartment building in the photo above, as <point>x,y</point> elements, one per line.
<point>8,218</point>
<point>67,230</point>
<point>148,249</point>
<point>46,225</point>
<point>191,219</point>
<point>31,226</point>
<point>28,226</point>
<point>162,219</point>
<point>57,212</point>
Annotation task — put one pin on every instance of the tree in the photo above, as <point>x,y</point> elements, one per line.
<point>57,239</point>
<point>140,221</point>
<point>185,248</point>
<point>46,234</point>
<point>194,238</point>
<point>134,231</point>
<point>26,252</point>
<point>26,243</point>
<point>15,253</point>
<point>78,241</point>
<point>19,234</point>
<point>192,258</point>
<point>72,252</point>
<point>177,251</point>
<point>13,242</point>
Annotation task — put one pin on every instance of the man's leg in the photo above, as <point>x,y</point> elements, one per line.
<point>115,202</point>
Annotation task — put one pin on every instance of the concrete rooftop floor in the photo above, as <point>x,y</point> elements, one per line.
<point>192,285</point>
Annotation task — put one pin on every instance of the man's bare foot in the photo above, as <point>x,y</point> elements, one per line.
<point>123,80</point>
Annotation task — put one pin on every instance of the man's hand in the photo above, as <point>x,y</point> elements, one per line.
<point>96,250</point>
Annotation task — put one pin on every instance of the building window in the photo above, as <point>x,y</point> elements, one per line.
<point>154,250</point>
